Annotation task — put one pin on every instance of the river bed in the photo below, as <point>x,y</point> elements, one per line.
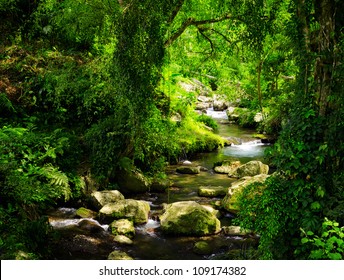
<point>149,242</point>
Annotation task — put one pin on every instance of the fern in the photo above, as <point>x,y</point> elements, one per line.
<point>6,106</point>
<point>56,179</point>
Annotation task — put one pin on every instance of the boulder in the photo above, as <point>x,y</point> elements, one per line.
<point>202,168</point>
<point>219,104</point>
<point>201,88</point>
<point>195,86</point>
<point>258,117</point>
<point>90,226</point>
<point>101,198</point>
<point>133,182</point>
<point>188,169</point>
<point>205,99</point>
<point>188,218</point>
<point>233,114</point>
<point>122,239</point>
<point>231,140</point>
<point>235,231</point>
<point>83,226</point>
<point>251,168</point>
<point>202,248</point>
<point>131,209</point>
<point>119,255</point>
<point>229,202</point>
<point>212,191</point>
<point>123,227</point>
<point>21,255</point>
<point>187,86</point>
<point>202,106</point>
<point>160,184</point>
<point>226,167</point>
<point>83,212</point>
<point>212,210</point>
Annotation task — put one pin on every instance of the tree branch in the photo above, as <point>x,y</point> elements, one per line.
<point>222,35</point>
<point>208,39</point>
<point>176,11</point>
<point>192,21</point>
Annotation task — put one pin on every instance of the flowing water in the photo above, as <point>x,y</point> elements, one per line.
<point>149,242</point>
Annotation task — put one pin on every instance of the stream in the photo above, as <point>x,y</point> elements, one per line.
<point>149,243</point>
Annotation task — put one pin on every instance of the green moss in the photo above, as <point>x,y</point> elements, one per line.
<point>190,219</point>
<point>202,248</point>
<point>85,213</point>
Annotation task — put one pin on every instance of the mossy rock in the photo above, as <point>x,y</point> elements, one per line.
<point>229,202</point>
<point>123,227</point>
<point>101,198</point>
<point>235,231</point>
<point>251,168</point>
<point>83,212</point>
<point>119,255</point>
<point>212,191</point>
<point>131,209</point>
<point>122,239</point>
<point>188,169</point>
<point>202,248</point>
<point>212,210</point>
<point>160,185</point>
<point>189,218</point>
<point>226,167</point>
<point>133,182</point>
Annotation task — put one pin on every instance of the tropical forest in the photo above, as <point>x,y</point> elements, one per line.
<point>171,130</point>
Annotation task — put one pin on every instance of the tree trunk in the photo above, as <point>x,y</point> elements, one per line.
<point>259,87</point>
<point>325,62</point>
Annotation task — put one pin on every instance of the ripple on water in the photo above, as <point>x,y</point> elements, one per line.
<point>149,227</point>
<point>61,223</point>
<point>251,149</point>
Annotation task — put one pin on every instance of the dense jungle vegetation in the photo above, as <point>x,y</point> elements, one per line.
<point>91,88</point>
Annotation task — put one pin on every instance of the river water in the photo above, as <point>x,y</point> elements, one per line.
<point>149,242</point>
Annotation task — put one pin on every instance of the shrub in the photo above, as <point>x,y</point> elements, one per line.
<point>29,166</point>
<point>328,246</point>
<point>208,121</point>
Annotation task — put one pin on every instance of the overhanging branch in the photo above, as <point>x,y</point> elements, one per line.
<point>190,22</point>
<point>208,39</point>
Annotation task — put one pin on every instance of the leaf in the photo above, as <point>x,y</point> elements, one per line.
<point>320,192</point>
<point>335,256</point>
<point>315,205</point>
<point>317,255</point>
<point>309,113</point>
<point>319,243</point>
<point>304,240</point>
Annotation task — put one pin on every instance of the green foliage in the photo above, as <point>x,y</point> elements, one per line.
<point>263,210</point>
<point>31,181</point>
<point>36,234</point>
<point>157,143</point>
<point>208,121</point>
<point>329,245</point>
<point>193,137</point>
<point>30,173</point>
<point>24,238</point>
<point>75,23</point>
<point>6,107</point>
<point>246,119</point>
<point>100,69</point>
<point>108,142</point>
